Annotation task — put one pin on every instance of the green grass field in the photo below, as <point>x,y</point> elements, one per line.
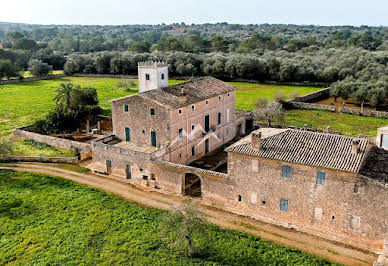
<point>347,124</point>
<point>47,220</point>
<point>248,92</point>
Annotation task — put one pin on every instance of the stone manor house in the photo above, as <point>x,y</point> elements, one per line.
<point>324,184</point>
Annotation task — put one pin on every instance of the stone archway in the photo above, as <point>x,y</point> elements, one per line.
<point>192,185</point>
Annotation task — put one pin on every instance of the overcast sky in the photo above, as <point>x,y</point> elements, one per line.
<point>117,12</point>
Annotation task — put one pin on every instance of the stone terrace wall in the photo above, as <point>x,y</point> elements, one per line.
<point>69,160</point>
<point>53,141</point>
<point>12,81</point>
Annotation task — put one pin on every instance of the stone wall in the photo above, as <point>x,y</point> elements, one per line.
<point>215,186</point>
<point>309,106</point>
<point>53,141</point>
<point>12,81</point>
<point>307,102</point>
<point>69,160</point>
<point>314,96</point>
<point>332,210</point>
<point>365,112</point>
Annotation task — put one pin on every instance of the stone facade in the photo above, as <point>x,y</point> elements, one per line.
<point>181,131</point>
<point>347,208</point>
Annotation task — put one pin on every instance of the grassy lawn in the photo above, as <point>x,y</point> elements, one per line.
<point>28,147</point>
<point>347,124</point>
<point>47,220</point>
<point>248,92</point>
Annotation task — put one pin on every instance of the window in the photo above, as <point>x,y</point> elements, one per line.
<point>153,138</point>
<point>283,205</point>
<point>207,102</point>
<point>162,76</point>
<point>333,217</point>
<point>219,98</point>
<point>179,111</point>
<point>193,107</point>
<point>108,164</point>
<point>129,171</point>
<point>192,151</point>
<point>180,155</point>
<point>143,131</point>
<point>126,108</point>
<point>219,118</point>
<point>286,171</point>
<point>192,127</point>
<point>239,198</point>
<point>127,134</point>
<point>321,177</point>
<point>145,177</point>
<point>152,110</point>
<point>263,202</point>
<point>147,76</point>
<point>180,133</point>
<point>228,94</point>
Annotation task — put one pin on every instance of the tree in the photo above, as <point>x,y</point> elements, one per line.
<point>181,227</point>
<point>65,94</point>
<point>39,69</point>
<point>25,44</point>
<point>361,95</point>
<point>8,69</point>
<point>264,111</point>
<point>6,148</point>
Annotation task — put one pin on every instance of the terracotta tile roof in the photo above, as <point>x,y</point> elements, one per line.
<point>309,148</point>
<point>193,91</point>
<point>375,165</point>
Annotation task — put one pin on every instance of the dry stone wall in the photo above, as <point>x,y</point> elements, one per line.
<point>53,141</point>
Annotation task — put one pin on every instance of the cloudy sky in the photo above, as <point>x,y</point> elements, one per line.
<point>117,12</point>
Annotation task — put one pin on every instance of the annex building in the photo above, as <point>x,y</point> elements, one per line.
<point>324,184</point>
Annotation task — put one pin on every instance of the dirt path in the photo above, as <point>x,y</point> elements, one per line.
<point>320,247</point>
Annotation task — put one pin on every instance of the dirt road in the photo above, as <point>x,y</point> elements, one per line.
<point>329,250</point>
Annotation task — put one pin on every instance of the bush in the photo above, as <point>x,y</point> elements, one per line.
<point>6,148</point>
<point>58,121</point>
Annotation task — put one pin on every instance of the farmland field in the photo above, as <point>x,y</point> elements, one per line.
<point>47,220</point>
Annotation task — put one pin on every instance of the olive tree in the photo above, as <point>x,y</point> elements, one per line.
<point>182,227</point>
<point>269,112</point>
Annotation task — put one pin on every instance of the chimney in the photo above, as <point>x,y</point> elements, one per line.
<point>355,146</point>
<point>256,141</point>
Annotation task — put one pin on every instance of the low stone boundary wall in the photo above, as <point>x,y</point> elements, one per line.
<point>69,160</point>
<point>371,113</point>
<point>12,81</point>
<point>53,141</point>
<point>314,96</point>
<point>309,106</point>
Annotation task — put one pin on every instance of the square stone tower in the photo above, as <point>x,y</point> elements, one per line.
<point>152,75</point>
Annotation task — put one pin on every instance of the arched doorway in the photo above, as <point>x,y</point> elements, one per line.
<point>192,186</point>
